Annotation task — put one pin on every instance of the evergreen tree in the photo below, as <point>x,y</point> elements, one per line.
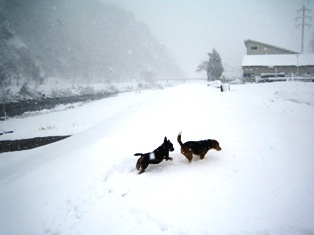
<point>214,68</point>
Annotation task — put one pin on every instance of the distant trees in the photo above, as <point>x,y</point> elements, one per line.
<point>5,97</point>
<point>77,39</point>
<point>16,60</point>
<point>19,64</point>
<point>213,67</point>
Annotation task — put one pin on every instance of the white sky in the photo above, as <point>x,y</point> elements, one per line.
<point>190,29</point>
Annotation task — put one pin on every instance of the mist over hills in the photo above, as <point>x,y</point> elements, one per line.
<point>81,40</point>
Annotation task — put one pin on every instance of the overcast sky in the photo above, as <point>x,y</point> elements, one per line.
<point>191,28</point>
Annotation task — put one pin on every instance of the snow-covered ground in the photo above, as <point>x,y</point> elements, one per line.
<point>260,183</point>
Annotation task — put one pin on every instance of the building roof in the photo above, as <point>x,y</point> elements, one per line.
<point>280,48</point>
<point>278,60</point>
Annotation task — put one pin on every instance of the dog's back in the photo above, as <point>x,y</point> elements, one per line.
<point>197,147</point>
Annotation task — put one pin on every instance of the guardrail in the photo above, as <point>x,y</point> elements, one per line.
<point>283,79</point>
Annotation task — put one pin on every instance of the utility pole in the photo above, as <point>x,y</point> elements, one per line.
<point>303,17</point>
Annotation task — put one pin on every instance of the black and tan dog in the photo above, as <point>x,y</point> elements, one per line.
<point>155,157</point>
<point>197,147</point>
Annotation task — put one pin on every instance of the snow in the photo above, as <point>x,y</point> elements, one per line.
<point>261,182</point>
<point>278,60</point>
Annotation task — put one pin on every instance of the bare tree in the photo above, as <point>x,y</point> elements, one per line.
<point>203,67</point>
<point>312,43</point>
<point>5,97</point>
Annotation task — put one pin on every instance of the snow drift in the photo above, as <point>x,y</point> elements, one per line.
<point>260,183</point>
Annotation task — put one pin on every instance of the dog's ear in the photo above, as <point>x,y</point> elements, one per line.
<point>165,140</point>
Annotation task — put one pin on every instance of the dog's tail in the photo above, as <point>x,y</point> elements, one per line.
<point>179,139</point>
<point>138,154</point>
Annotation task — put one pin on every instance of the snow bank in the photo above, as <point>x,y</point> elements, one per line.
<point>279,60</point>
<point>260,183</point>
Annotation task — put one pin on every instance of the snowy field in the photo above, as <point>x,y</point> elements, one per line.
<point>262,182</point>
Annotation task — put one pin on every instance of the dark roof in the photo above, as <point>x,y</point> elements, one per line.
<point>249,40</point>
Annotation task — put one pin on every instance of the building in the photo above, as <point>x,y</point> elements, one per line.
<point>264,60</point>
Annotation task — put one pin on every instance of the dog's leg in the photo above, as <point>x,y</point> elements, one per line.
<point>166,157</point>
<point>139,163</point>
<point>189,156</point>
<point>187,153</point>
<point>202,155</point>
<point>143,167</point>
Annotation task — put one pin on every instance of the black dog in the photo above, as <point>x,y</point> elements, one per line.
<point>155,157</point>
<point>200,147</point>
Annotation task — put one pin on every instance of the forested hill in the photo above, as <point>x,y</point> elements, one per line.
<point>77,39</point>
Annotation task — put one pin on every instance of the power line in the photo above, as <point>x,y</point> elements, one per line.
<point>304,18</point>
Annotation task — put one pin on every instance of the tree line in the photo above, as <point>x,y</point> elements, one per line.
<point>85,41</point>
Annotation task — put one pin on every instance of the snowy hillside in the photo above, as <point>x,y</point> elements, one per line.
<point>260,183</point>
<point>78,40</point>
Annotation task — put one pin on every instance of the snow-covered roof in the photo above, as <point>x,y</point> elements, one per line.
<point>278,60</point>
